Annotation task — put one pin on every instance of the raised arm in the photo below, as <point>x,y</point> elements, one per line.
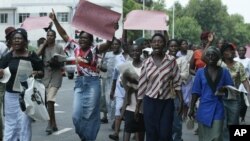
<point>105,47</point>
<point>59,28</point>
<point>41,48</point>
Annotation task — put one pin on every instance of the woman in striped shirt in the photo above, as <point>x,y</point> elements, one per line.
<point>159,78</point>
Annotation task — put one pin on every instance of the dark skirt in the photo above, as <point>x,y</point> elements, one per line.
<point>131,125</point>
<point>158,118</point>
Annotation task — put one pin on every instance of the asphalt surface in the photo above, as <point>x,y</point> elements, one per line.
<point>66,129</point>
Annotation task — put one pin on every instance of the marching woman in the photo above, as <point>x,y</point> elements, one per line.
<point>210,113</point>
<point>87,91</point>
<point>17,123</point>
<point>159,77</point>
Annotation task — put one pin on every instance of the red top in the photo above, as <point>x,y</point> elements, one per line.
<point>197,59</point>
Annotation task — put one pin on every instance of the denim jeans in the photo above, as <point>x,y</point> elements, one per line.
<point>17,123</point>
<point>2,90</point>
<point>232,115</point>
<point>86,110</point>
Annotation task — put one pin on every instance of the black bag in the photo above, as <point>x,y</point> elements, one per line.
<point>54,64</point>
<point>21,101</point>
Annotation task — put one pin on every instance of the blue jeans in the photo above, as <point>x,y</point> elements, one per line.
<point>2,90</point>
<point>86,112</point>
<point>232,115</point>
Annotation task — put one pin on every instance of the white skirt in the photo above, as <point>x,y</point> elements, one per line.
<point>17,124</point>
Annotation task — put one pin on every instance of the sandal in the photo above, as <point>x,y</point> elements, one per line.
<point>114,137</point>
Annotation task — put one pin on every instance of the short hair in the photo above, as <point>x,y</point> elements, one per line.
<point>51,30</point>
<point>175,40</point>
<point>91,37</point>
<point>115,39</point>
<point>159,35</point>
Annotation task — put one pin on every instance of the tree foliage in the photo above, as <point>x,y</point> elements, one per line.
<point>199,16</point>
<point>187,28</point>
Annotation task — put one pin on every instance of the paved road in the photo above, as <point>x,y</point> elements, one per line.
<point>64,121</point>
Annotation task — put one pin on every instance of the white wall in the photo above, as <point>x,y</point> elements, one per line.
<point>34,7</point>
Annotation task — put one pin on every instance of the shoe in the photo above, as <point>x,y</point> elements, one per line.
<point>49,130</point>
<point>196,132</point>
<point>55,129</point>
<point>104,120</point>
<point>114,137</point>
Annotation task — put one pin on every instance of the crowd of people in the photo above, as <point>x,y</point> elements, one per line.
<point>153,85</point>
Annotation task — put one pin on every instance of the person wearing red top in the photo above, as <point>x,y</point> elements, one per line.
<point>87,90</point>
<point>197,60</point>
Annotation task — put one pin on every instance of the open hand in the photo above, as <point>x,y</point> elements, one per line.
<point>210,37</point>
<point>52,15</point>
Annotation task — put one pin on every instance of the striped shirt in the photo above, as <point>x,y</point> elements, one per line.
<point>158,82</point>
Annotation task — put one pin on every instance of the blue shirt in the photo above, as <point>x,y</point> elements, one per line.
<point>211,106</point>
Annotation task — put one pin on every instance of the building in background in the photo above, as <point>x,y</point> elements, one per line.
<point>14,12</point>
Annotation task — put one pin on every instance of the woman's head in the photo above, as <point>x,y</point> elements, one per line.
<point>158,42</point>
<point>220,42</point>
<point>51,36</point>
<point>228,51</point>
<point>183,45</point>
<point>136,51</point>
<point>242,51</point>
<point>19,40</point>
<point>173,46</point>
<point>212,55</point>
<point>85,39</point>
<point>116,45</point>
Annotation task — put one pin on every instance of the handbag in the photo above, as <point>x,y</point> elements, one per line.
<point>34,98</point>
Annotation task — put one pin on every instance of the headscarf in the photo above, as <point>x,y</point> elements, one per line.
<point>214,50</point>
<point>23,32</point>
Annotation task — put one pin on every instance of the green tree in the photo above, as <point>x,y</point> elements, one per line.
<point>187,28</point>
<point>210,14</point>
<point>158,5</point>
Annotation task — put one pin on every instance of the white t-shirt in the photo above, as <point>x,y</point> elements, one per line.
<point>132,105</point>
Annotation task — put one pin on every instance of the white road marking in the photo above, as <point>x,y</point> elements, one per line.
<point>69,89</point>
<point>59,112</point>
<point>62,131</point>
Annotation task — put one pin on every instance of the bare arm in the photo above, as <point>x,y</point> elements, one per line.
<point>192,66</point>
<point>105,47</point>
<point>112,92</point>
<point>59,28</point>
<point>179,95</point>
<point>40,50</point>
<point>192,106</point>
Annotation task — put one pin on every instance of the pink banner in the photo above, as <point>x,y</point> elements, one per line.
<point>95,19</point>
<point>32,23</point>
<point>146,20</point>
